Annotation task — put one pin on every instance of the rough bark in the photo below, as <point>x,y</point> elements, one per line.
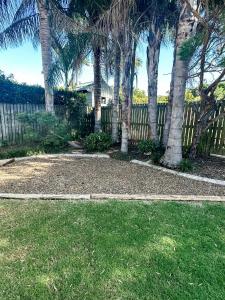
<point>153,51</point>
<point>97,87</point>
<point>196,140</point>
<point>166,128</point>
<point>115,104</point>
<point>46,51</point>
<point>132,74</point>
<point>173,153</point>
<point>126,71</point>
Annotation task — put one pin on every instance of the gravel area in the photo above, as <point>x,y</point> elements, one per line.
<point>211,167</point>
<point>73,175</point>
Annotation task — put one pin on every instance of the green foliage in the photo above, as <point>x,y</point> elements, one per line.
<point>19,152</point>
<point>154,150</point>
<point>186,165</point>
<point>53,132</point>
<point>97,142</point>
<point>146,146</point>
<point>220,91</point>
<point>189,46</point>
<point>162,99</point>
<point>13,92</point>
<point>140,97</point>
<point>191,95</point>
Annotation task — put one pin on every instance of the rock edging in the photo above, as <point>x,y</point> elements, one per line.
<point>181,174</point>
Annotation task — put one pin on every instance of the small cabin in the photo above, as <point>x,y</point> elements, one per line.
<point>88,89</point>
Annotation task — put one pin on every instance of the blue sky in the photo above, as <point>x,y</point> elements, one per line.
<point>25,63</point>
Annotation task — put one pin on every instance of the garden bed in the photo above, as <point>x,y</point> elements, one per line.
<point>66,175</point>
<point>211,167</point>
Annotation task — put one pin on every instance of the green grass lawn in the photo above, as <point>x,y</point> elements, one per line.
<point>112,250</point>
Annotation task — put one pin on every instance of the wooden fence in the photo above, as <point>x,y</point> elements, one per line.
<point>12,132</point>
<point>213,141</point>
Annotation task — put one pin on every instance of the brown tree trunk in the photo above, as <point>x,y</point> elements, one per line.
<point>46,51</point>
<point>115,104</point>
<point>153,51</point>
<point>196,140</point>
<point>97,87</point>
<point>126,74</point>
<point>173,154</point>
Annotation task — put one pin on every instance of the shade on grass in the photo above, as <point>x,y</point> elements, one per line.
<point>112,250</point>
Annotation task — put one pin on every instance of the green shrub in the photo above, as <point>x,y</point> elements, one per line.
<point>19,152</point>
<point>186,165</point>
<point>46,130</point>
<point>97,142</point>
<point>146,146</point>
<point>155,150</point>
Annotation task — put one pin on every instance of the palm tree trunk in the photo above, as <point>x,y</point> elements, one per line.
<point>115,103</point>
<point>173,154</point>
<point>166,128</point>
<point>46,51</point>
<point>153,51</point>
<point>126,71</point>
<point>97,87</point>
<point>131,87</point>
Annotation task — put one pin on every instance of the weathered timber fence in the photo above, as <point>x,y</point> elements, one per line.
<point>213,141</point>
<point>12,132</point>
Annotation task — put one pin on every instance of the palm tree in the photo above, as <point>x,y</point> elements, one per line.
<point>30,20</point>
<point>46,51</point>
<point>90,11</point>
<point>186,29</point>
<point>70,54</point>
<point>159,18</point>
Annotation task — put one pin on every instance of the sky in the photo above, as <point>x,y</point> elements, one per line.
<point>24,63</point>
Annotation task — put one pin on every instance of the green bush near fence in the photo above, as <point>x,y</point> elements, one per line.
<point>154,150</point>
<point>100,141</point>
<point>53,132</point>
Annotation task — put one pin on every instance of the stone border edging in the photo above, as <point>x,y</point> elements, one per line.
<point>124,197</point>
<point>218,155</point>
<point>77,155</point>
<point>189,176</point>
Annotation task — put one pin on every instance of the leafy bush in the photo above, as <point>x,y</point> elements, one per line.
<point>157,154</point>
<point>186,165</point>
<point>146,146</point>
<point>155,150</point>
<point>97,142</point>
<point>19,152</point>
<point>45,129</point>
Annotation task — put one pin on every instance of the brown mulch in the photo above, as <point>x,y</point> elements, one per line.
<point>72,175</point>
<point>211,167</point>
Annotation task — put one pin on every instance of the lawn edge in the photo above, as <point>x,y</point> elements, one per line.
<point>123,197</point>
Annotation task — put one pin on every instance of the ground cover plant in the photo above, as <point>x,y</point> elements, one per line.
<point>111,250</point>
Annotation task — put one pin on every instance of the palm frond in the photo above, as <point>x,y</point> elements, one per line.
<point>20,31</point>
<point>26,8</point>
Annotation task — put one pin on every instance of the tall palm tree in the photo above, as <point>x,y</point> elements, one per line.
<point>29,20</point>
<point>90,11</point>
<point>159,17</point>
<point>186,29</point>
<point>46,51</point>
